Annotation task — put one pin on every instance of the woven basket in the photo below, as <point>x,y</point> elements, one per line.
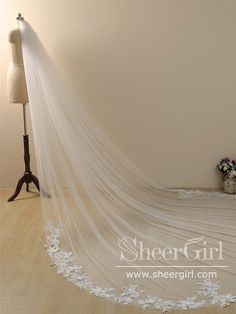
<point>229,184</point>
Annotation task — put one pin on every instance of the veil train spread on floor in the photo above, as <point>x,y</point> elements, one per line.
<point>110,230</point>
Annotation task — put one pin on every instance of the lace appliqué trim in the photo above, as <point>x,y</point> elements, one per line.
<point>207,295</point>
<point>202,194</point>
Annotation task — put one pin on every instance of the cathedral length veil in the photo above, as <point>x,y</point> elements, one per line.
<point>105,221</point>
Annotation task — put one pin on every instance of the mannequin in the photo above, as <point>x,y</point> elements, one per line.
<point>17,93</point>
<point>16,83</point>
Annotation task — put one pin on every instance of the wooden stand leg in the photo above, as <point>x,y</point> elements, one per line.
<point>28,177</point>
<point>18,188</point>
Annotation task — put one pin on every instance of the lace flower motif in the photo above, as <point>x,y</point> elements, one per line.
<point>209,288</point>
<point>207,295</point>
<point>190,303</point>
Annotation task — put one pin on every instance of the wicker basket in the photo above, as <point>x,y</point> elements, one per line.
<point>229,184</point>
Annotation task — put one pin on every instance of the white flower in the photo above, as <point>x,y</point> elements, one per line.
<point>232,174</point>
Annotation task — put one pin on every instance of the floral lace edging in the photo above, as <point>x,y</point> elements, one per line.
<point>198,193</point>
<point>207,295</point>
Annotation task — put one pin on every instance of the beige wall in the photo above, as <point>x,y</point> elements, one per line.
<point>158,75</point>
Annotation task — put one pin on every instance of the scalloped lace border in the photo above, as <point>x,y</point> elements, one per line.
<point>207,295</point>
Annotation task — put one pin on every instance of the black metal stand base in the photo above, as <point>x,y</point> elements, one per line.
<point>28,177</point>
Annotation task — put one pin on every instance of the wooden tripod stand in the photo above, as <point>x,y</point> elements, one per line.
<point>27,177</point>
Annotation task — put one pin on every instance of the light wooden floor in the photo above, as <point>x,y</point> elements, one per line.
<point>29,285</point>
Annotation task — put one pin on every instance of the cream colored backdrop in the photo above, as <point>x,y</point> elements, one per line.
<point>158,75</point>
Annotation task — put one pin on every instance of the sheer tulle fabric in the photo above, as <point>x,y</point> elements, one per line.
<point>100,202</point>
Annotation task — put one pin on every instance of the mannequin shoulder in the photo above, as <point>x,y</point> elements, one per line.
<point>14,36</point>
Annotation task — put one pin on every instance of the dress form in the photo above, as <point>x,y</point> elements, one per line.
<point>17,93</point>
<point>16,83</point>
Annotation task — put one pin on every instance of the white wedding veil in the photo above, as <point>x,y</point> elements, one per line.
<point>110,230</point>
